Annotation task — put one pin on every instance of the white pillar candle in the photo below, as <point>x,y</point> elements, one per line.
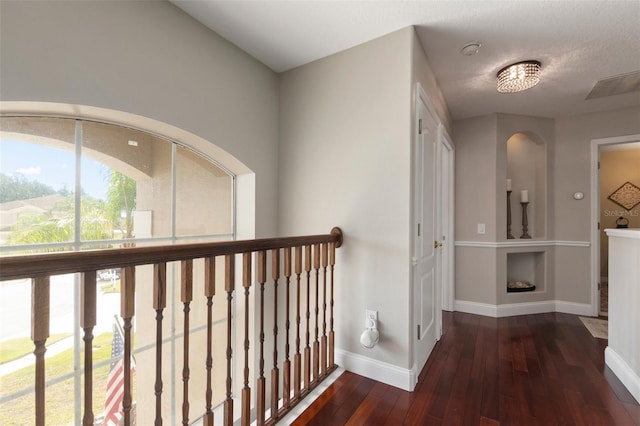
<point>508,184</point>
<point>524,196</point>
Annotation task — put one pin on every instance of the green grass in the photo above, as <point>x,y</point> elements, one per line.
<point>17,348</point>
<point>59,397</point>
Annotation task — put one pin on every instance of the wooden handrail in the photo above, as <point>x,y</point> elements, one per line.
<point>309,367</point>
<point>47,264</point>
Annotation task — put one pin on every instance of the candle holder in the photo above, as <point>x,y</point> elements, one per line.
<point>525,224</point>
<point>509,234</point>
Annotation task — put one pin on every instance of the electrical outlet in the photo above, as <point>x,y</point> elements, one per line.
<point>370,314</point>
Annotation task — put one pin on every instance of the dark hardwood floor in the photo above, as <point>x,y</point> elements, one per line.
<point>541,369</point>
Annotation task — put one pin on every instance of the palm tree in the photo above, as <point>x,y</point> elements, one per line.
<point>98,218</point>
<point>121,202</point>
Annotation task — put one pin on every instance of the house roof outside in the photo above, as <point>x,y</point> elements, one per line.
<point>11,211</point>
<point>45,203</point>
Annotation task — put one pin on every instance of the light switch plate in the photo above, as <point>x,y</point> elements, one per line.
<point>481,228</point>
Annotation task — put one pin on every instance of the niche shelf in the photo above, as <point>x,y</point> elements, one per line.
<point>527,267</point>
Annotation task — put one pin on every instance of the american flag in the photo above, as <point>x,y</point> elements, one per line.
<point>115,380</point>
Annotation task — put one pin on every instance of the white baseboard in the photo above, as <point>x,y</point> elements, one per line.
<point>290,417</point>
<point>621,369</point>
<point>527,308</point>
<point>476,308</point>
<point>389,374</point>
<point>297,411</point>
<point>583,309</point>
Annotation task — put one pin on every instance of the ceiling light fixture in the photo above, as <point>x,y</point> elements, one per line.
<point>518,77</point>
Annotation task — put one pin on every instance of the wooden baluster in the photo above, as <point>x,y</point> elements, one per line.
<point>246,390</point>
<point>40,319</point>
<point>307,348</point>
<point>159,304</point>
<point>286,378</point>
<point>316,343</point>
<point>209,292</point>
<point>87,322</point>
<point>39,334</point>
<point>127,311</point>
<point>275,372</point>
<point>332,261</point>
<point>262,278</point>
<point>186,296</point>
<point>323,340</point>
<point>297,358</point>
<point>229,286</point>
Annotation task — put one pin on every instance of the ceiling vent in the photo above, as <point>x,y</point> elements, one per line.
<point>617,85</point>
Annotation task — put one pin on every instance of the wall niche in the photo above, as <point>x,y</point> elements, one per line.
<point>527,171</point>
<point>527,267</point>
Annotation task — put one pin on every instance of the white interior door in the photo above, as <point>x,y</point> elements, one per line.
<point>426,238</point>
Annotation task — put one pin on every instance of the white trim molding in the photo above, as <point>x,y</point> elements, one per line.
<point>572,244</point>
<point>389,374</point>
<point>478,244</point>
<point>527,308</point>
<point>623,371</point>
<point>625,233</point>
<point>521,243</point>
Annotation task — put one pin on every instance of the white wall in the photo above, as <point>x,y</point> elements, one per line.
<point>572,168</point>
<point>421,72</point>
<point>480,177</point>
<point>572,164</point>
<point>622,355</point>
<point>476,165</point>
<point>152,60</point>
<point>345,159</point>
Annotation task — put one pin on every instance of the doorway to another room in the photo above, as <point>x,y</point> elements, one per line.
<point>616,172</point>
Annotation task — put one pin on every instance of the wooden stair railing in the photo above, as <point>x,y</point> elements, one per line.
<point>310,367</point>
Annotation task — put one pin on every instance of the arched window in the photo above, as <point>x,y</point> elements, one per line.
<point>75,184</point>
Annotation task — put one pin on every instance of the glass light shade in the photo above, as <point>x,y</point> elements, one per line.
<point>518,77</point>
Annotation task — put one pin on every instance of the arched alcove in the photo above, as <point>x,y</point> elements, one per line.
<point>527,264</point>
<point>527,171</point>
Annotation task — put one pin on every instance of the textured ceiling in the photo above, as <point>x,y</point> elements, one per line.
<point>577,42</point>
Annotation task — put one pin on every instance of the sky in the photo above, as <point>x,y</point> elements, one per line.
<point>51,166</point>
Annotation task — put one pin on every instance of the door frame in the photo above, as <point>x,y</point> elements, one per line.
<point>443,143</point>
<point>595,212</point>
<point>447,221</point>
